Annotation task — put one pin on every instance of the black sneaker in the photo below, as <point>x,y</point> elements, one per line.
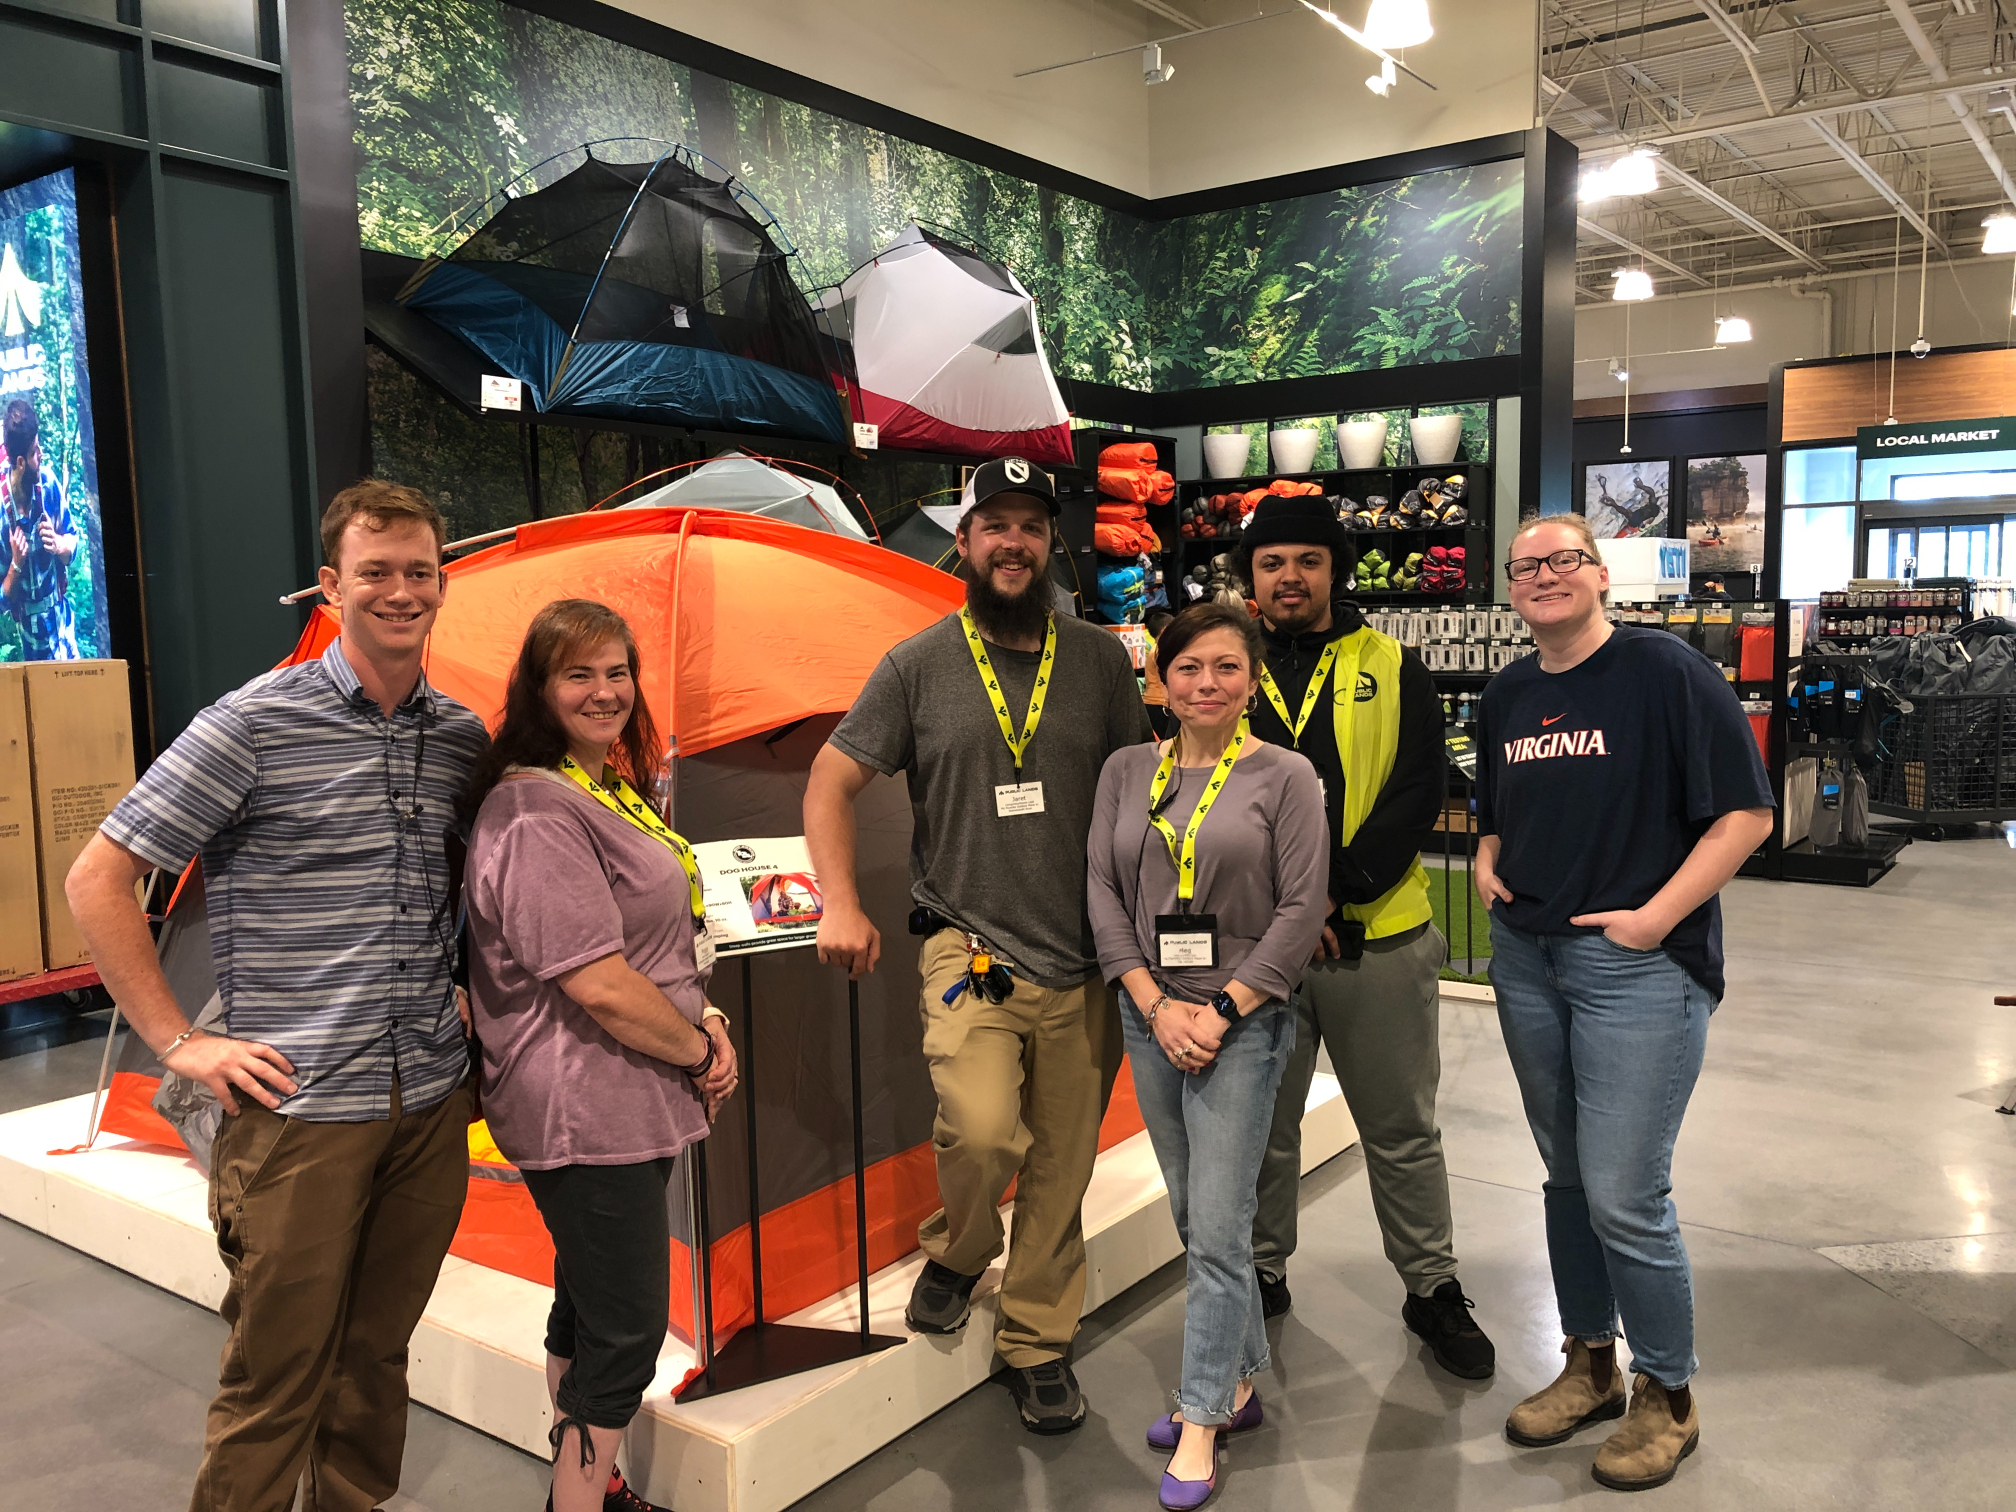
<point>940,1302</point>
<point>1274,1298</point>
<point>1444,1320</point>
<point>1047,1396</point>
<point>616,1497</point>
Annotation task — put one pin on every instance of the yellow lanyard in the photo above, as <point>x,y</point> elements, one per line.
<point>1186,859</point>
<point>623,799</point>
<point>1016,744</point>
<point>1309,694</point>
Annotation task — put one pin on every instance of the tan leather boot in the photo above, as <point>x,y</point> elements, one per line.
<point>1571,1404</point>
<point>1648,1448</point>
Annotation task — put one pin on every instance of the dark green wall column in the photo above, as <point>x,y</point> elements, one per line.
<point>185,106</point>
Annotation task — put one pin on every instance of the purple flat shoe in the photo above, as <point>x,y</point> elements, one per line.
<point>1165,1432</point>
<point>1184,1496</point>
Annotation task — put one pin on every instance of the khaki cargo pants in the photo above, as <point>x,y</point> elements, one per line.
<point>1022,1086</point>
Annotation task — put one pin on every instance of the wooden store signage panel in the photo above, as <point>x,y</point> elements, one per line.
<point>1839,399</point>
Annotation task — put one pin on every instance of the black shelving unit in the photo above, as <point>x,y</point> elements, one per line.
<point>1474,536</point>
<point>1078,500</point>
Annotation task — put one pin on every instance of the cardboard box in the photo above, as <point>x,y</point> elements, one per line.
<point>20,883</point>
<point>80,740</point>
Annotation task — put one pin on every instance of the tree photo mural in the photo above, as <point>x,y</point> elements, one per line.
<point>456,99</point>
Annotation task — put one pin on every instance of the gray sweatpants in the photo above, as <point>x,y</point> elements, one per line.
<point>1380,1018</point>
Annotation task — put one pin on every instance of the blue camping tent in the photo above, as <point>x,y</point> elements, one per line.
<point>639,291</point>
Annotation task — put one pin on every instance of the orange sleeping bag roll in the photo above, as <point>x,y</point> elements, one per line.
<point>1129,454</point>
<point>1165,488</point>
<point>1113,512</point>
<point>1122,540</point>
<point>1130,485</point>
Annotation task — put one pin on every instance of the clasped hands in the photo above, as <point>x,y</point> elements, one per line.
<point>1189,1034</point>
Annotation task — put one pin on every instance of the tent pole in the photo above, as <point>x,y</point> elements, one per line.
<point>104,1065</point>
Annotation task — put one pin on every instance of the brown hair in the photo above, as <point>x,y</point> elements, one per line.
<point>530,734</point>
<point>1201,619</point>
<point>378,503</point>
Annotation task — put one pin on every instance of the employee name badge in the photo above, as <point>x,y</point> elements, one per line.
<point>1186,939</point>
<point>703,947</point>
<point>1013,798</point>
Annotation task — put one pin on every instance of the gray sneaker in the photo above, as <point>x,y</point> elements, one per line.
<point>941,1300</point>
<point>1047,1396</point>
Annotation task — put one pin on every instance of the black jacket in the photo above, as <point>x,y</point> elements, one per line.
<point>1402,821</point>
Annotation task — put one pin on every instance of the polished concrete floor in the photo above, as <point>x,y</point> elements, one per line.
<point>1849,1197</point>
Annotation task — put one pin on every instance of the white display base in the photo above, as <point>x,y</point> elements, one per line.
<point>477,1355</point>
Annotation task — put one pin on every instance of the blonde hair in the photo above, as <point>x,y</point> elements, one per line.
<point>1575,522</point>
<point>1579,523</point>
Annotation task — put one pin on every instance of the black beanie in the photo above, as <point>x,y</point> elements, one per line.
<point>1305,519</point>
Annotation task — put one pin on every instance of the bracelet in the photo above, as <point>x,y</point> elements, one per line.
<point>705,1064</point>
<point>176,1043</point>
<point>1156,1007</point>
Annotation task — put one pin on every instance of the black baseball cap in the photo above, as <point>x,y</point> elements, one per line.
<point>1006,475</point>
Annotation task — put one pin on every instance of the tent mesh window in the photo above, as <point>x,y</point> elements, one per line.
<point>681,263</point>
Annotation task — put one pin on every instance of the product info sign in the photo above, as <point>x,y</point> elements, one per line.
<point>760,894</point>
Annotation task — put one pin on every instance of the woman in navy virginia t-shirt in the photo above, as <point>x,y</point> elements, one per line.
<point>1618,789</point>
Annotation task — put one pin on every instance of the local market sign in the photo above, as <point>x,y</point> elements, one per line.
<point>1937,439</point>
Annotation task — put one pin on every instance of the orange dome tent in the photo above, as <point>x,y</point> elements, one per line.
<point>755,636</point>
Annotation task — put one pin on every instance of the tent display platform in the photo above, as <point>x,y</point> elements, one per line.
<point>477,1355</point>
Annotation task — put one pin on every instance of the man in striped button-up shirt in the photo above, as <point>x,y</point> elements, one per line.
<point>319,798</point>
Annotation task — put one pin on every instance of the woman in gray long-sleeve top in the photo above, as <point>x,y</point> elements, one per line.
<point>1207,869</point>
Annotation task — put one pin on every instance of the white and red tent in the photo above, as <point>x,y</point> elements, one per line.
<point>947,354</point>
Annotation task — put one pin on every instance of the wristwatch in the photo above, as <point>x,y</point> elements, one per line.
<point>1222,1001</point>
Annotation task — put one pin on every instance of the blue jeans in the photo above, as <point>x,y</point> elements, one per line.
<point>1606,1042</point>
<point>1209,1133</point>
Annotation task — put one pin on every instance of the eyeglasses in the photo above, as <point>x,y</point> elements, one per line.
<point>1519,569</point>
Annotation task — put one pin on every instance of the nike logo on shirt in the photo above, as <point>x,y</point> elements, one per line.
<point>1546,722</point>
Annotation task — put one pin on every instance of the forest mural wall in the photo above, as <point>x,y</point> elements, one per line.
<point>455,99</point>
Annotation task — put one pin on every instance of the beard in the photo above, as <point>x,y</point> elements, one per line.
<point>1004,617</point>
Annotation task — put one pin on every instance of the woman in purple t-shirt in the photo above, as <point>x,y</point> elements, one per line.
<point>601,1059</point>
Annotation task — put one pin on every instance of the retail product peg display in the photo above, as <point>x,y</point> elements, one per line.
<point>1416,533</point>
<point>1871,610</point>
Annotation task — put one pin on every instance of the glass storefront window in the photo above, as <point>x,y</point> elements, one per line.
<point>1819,549</point>
<point>1819,475</point>
<point>1953,485</point>
<point>1885,477</point>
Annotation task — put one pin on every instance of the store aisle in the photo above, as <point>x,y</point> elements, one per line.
<point>1850,1197</point>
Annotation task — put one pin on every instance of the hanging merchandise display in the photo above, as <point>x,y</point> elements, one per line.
<point>639,291</point>
<point>947,354</point>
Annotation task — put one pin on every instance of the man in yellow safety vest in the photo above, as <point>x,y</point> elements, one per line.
<point>1364,710</point>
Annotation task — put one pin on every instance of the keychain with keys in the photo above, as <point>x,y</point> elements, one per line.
<point>985,976</point>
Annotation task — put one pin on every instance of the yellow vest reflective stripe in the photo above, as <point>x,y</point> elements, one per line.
<point>1368,743</point>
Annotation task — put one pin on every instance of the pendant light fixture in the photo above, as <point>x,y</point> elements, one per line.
<point>2001,237</point>
<point>1393,24</point>
<point>1632,284</point>
<point>1731,328</point>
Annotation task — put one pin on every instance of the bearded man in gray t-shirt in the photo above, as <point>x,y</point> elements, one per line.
<point>1001,717</point>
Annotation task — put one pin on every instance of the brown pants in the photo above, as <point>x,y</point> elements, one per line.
<point>333,1234</point>
<point>1022,1086</point>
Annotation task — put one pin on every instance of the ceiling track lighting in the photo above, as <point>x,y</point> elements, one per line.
<point>1153,69</point>
<point>1619,371</point>
<point>1394,24</point>
<point>1390,67</point>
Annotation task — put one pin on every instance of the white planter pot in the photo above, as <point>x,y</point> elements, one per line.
<point>1294,450</point>
<point>1226,456</point>
<point>1436,438</point>
<point>1362,444</point>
